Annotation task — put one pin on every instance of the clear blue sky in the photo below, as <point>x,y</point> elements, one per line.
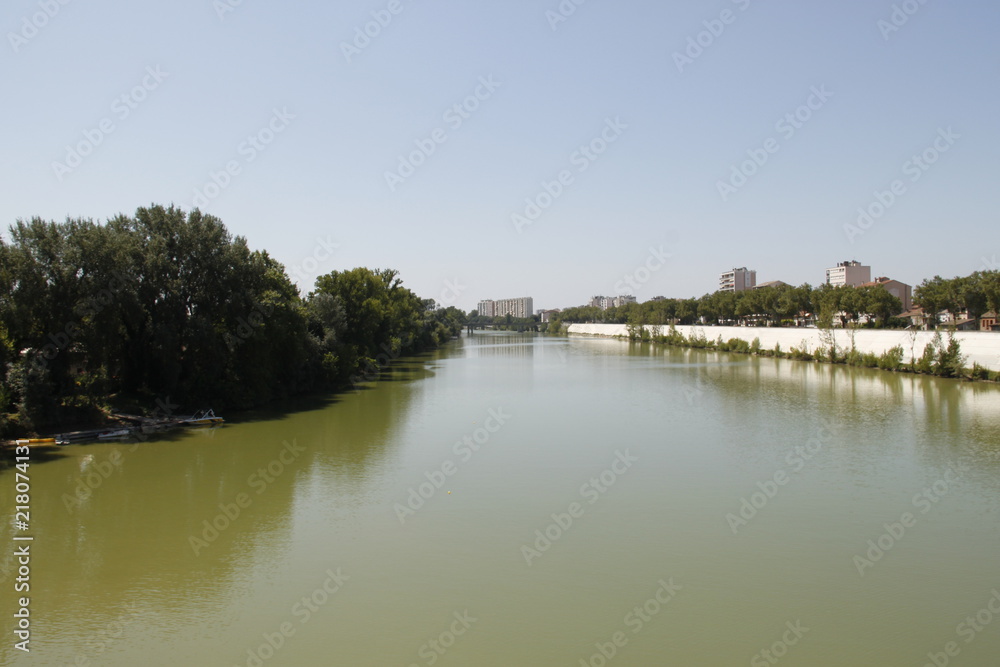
<point>222,75</point>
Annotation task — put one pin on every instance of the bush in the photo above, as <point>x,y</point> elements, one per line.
<point>755,346</point>
<point>673,337</point>
<point>698,341</point>
<point>800,355</point>
<point>891,359</point>
<point>925,364</point>
<point>950,360</point>
<point>869,360</point>
<point>739,345</point>
<point>979,372</point>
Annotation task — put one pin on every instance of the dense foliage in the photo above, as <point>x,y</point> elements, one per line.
<point>504,322</point>
<point>975,294</point>
<point>165,304</point>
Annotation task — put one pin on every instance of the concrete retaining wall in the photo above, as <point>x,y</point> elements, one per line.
<point>979,346</point>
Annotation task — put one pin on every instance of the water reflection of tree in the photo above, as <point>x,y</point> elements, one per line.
<point>130,538</point>
<point>964,412</point>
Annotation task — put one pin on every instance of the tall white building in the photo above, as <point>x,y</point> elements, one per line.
<point>737,280</point>
<point>622,300</point>
<point>849,273</point>
<point>487,308</point>
<point>523,307</point>
<point>605,302</point>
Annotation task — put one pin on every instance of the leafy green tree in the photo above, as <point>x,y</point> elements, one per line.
<point>880,304</point>
<point>934,295</point>
<point>168,304</point>
<point>990,281</point>
<point>970,293</point>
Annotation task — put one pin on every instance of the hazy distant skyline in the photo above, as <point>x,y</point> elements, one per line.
<point>690,137</point>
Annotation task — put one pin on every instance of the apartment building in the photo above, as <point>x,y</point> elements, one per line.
<point>737,280</point>
<point>487,308</point>
<point>522,307</point>
<point>851,273</point>
<point>605,302</point>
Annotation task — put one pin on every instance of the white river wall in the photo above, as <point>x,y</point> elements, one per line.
<point>981,347</point>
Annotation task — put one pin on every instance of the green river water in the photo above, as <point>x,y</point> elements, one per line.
<point>525,500</point>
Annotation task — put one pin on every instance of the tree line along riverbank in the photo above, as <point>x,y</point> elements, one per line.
<point>167,307</point>
<point>870,306</point>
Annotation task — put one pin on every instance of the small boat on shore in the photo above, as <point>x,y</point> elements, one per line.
<point>114,435</point>
<point>203,418</point>
<point>34,443</point>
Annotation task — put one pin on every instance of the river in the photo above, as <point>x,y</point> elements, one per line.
<point>515,499</point>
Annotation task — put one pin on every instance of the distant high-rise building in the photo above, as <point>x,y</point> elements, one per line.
<point>737,280</point>
<point>623,299</point>
<point>605,302</point>
<point>849,273</point>
<point>523,307</point>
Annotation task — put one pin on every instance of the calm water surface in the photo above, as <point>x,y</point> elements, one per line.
<point>520,500</point>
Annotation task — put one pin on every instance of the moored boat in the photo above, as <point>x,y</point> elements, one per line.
<point>203,418</point>
<point>114,435</point>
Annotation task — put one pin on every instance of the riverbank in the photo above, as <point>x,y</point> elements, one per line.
<point>979,348</point>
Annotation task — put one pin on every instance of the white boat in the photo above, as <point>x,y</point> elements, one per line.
<point>113,435</point>
<point>203,418</point>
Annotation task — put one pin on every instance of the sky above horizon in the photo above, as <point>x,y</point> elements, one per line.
<point>544,149</point>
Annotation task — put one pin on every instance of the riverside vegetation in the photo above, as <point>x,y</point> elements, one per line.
<point>166,305</point>
<point>940,358</point>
